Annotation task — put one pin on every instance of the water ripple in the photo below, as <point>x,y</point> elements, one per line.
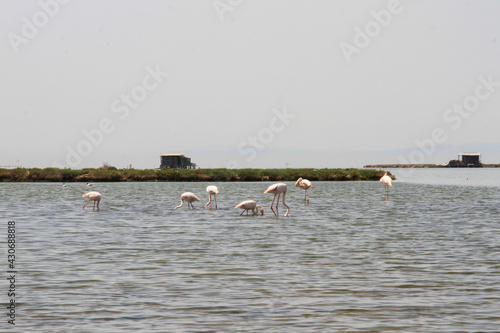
<point>426,260</point>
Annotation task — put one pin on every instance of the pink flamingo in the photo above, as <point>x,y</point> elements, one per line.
<point>278,189</point>
<point>189,197</point>
<point>250,204</point>
<point>93,196</point>
<point>304,184</point>
<point>387,181</point>
<point>212,190</point>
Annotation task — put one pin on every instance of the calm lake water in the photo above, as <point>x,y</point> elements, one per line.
<point>426,260</point>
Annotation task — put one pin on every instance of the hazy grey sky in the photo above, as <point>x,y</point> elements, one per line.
<point>239,83</point>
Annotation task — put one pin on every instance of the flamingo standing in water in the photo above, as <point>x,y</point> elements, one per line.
<point>250,204</point>
<point>278,189</point>
<point>93,196</point>
<point>387,181</point>
<point>212,190</point>
<point>304,184</point>
<point>189,197</point>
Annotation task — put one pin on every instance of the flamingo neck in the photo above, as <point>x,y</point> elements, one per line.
<point>284,203</point>
<point>182,203</point>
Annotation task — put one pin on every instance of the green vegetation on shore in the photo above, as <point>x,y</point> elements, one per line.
<point>392,166</point>
<point>112,174</point>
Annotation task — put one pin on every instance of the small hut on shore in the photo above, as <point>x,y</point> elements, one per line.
<point>176,161</point>
<point>466,160</point>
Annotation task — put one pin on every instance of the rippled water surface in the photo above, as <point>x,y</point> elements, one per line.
<point>426,260</point>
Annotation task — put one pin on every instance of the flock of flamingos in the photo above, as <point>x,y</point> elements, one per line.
<point>276,189</point>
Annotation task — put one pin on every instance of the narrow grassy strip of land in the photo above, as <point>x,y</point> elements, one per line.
<point>112,174</point>
<point>405,166</point>
<point>392,166</point>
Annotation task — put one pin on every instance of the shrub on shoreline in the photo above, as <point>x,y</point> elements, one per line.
<point>112,174</point>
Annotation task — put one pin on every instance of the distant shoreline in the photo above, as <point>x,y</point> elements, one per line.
<point>112,174</point>
<point>389,166</point>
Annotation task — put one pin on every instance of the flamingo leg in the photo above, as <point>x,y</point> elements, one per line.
<point>215,197</point>
<point>277,203</point>
<point>305,195</point>
<point>242,212</point>
<point>272,203</point>
<point>94,206</point>
<point>309,193</point>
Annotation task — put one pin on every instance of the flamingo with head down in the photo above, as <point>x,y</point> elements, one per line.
<point>212,190</point>
<point>250,205</point>
<point>189,197</point>
<point>93,196</point>
<point>277,190</point>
